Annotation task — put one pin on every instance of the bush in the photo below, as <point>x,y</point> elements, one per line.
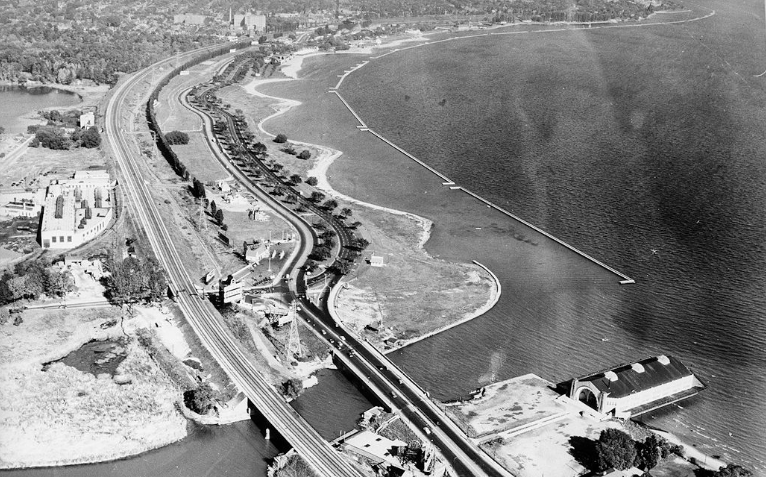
<point>177,137</point>
<point>312,181</point>
<point>615,450</point>
<point>90,138</point>
<point>199,400</point>
<point>292,388</point>
<point>281,138</point>
<point>305,154</point>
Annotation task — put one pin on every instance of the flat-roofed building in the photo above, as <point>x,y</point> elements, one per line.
<point>636,388</point>
<point>87,119</point>
<point>76,210</point>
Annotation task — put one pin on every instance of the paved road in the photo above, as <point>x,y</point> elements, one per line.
<point>200,314</point>
<point>373,368</point>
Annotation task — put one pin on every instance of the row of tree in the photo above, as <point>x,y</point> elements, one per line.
<point>57,138</point>
<point>33,278</point>
<point>617,450</point>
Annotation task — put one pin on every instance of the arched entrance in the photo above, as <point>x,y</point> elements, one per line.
<point>586,396</point>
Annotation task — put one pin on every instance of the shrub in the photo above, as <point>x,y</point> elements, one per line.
<point>281,138</point>
<point>90,138</point>
<point>312,181</point>
<point>199,400</point>
<point>305,154</point>
<point>615,450</point>
<point>177,137</point>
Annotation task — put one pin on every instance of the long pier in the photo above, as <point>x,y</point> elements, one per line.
<point>625,280</point>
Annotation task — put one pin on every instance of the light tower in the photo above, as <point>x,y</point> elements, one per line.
<point>293,347</point>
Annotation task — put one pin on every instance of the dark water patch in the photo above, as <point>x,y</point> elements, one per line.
<point>235,450</point>
<point>640,146</point>
<point>333,406</point>
<point>18,102</point>
<point>95,357</point>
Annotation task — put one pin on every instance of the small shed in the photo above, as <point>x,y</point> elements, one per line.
<point>376,260</point>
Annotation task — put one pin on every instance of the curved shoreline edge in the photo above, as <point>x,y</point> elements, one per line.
<point>494,297</point>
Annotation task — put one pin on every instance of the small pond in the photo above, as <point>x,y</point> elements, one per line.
<point>95,357</point>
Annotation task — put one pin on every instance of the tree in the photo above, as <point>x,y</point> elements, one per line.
<point>312,181</point>
<point>58,283</point>
<point>281,138</point>
<point>292,388</point>
<point>330,204</point>
<point>90,138</point>
<point>296,179</point>
<point>132,280</point>
<point>305,154</point>
<point>198,188</point>
<point>177,137</point>
<point>259,148</point>
<point>199,400</point>
<point>213,208</point>
<point>346,212</point>
<point>615,449</point>
<point>219,216</point>
<point>316,197</point>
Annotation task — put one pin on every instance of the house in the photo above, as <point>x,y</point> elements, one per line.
<point>87,119</point>
<point>224,186</point>
<point>255,252</point>
<point>380,450</point>
<point>633,389</point>
<point>376,260</point>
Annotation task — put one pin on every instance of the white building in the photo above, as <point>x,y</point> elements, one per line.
<point>87,119</point>
<point>76,210</point>
<point>633,389</point>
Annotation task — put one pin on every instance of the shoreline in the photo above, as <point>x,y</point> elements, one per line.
<point>494,297</point>
<point>319,170</point>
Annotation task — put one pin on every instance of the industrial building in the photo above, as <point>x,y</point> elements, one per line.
<point>633,389</point>
<point>76,210</point>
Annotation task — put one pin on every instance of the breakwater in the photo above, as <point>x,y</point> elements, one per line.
<point>624,279</point>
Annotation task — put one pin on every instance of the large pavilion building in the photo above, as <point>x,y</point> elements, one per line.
<point>76,210</point>
<point>633,389</point>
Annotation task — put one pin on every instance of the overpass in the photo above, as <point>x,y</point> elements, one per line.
<point>200,314</point>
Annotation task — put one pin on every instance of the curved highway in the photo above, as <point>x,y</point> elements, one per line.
<point>393,386</point>
<point>200,314</point>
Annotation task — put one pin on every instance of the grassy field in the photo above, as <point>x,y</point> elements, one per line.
<point>255,109</point>
<point>199,160</point>
<point>64,416</point>
<point>38,164</point>
<point>413,293</point>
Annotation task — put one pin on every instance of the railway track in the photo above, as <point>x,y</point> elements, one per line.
<point>200,314</point>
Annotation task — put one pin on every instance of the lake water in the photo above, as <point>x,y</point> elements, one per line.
<point>642,146</point>
<point>17,102</point>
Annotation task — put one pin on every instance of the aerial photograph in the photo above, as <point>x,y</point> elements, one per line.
<point>383,238</point>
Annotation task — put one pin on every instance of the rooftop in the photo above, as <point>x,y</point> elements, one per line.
<point>630,378</point>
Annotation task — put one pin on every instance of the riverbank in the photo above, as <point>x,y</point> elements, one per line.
<point>58,415</point>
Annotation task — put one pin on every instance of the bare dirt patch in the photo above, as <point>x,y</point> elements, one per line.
<point>507,405</point>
